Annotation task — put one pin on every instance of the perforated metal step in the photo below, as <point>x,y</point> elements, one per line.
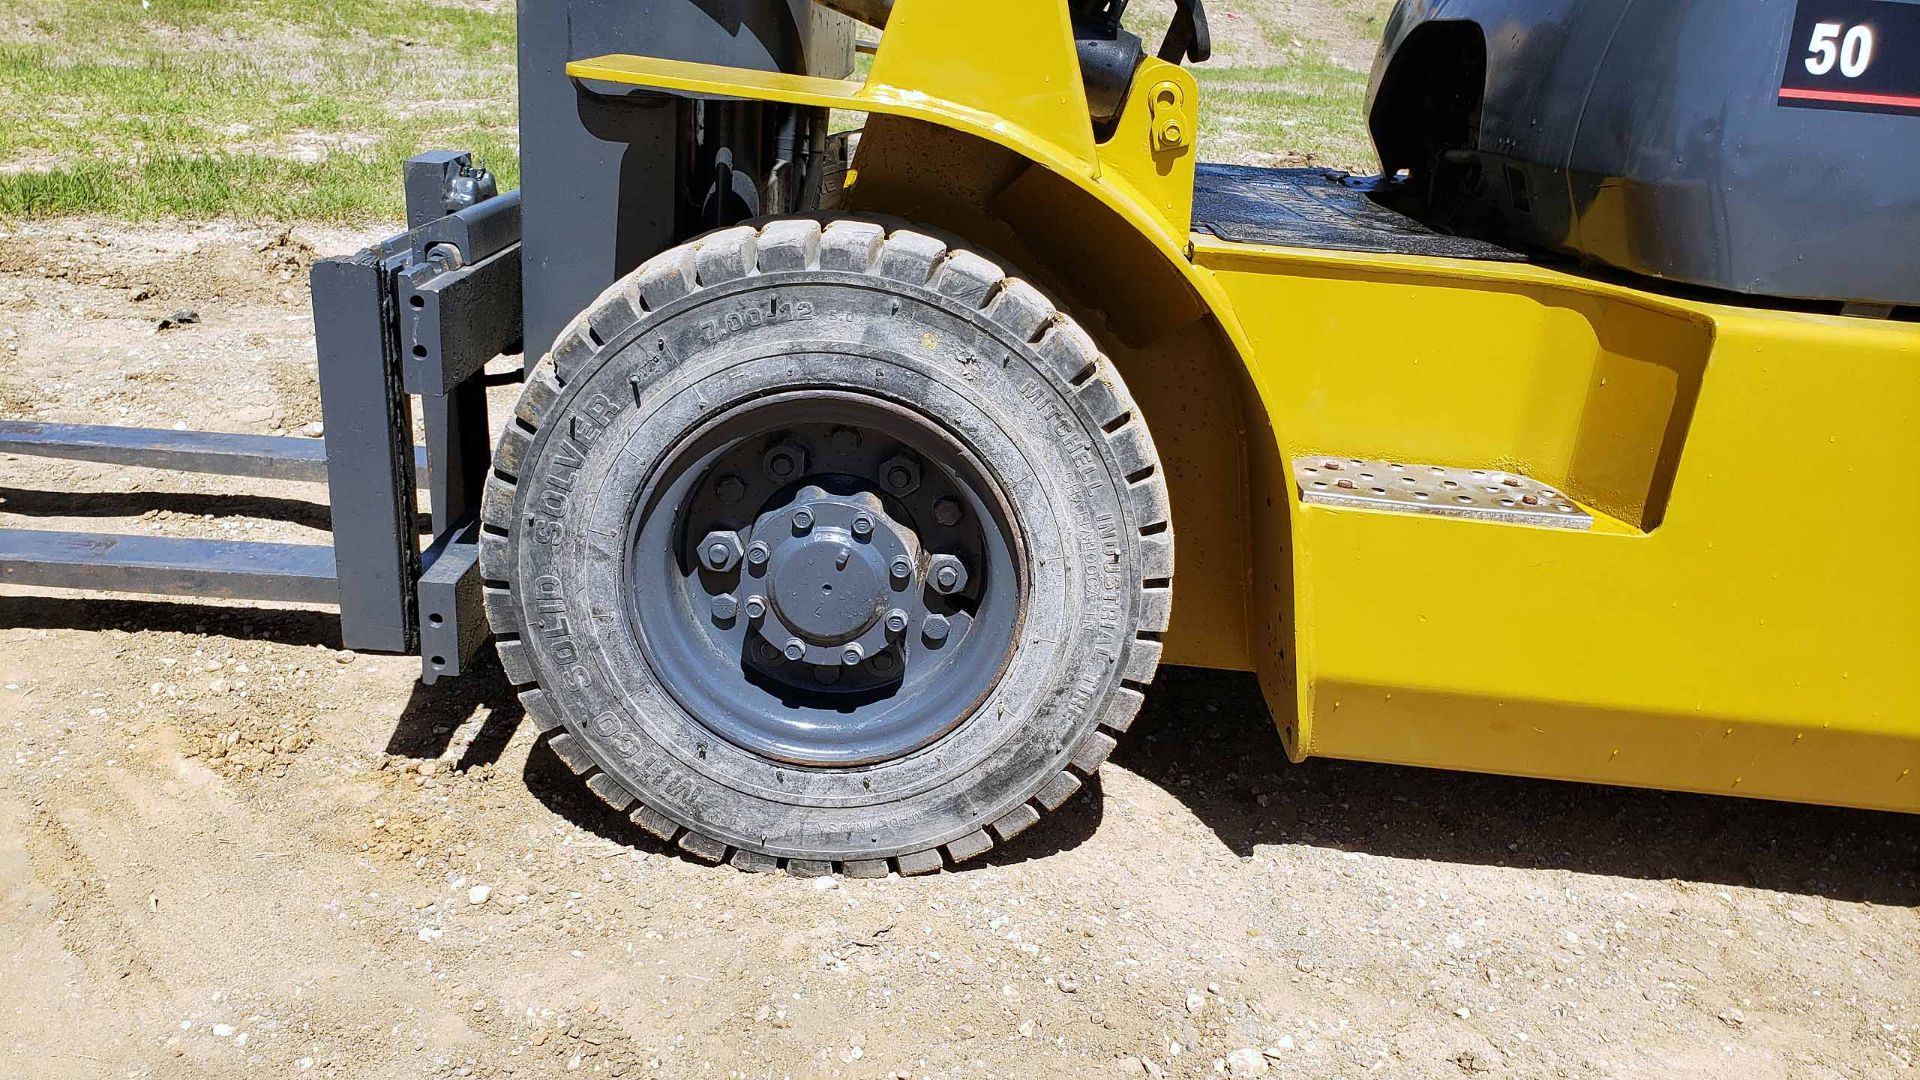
<point>1476,494</point>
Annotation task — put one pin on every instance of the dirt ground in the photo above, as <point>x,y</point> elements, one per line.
<point>229,849</point>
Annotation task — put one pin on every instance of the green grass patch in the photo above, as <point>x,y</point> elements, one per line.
<point>1272,94</point>
<point>345,187</point>
<point>1367,17</point>
<point>302,111</point>
<point>245,108</point>
<point>1303,110</point>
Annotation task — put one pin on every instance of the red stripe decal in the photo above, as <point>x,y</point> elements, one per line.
<point>1905,100</point>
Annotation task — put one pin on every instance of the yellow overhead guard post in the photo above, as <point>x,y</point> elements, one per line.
<point>1742,613</point>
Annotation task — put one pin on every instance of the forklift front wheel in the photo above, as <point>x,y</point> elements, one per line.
<point>828,546</point>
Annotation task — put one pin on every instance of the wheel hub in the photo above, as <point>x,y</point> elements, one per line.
<point>844,585</point>
<point>828,575</point>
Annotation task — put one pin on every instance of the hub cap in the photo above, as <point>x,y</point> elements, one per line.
<point>829,574</point>
<point>825,578</point>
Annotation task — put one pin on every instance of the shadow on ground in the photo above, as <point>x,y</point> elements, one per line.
<point>433,714</point>
<point>1206,737</point>
<point>116,504</point>
<point>555,785</point>
<point>289,626</point>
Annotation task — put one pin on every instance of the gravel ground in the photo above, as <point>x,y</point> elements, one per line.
<point>228,848</point>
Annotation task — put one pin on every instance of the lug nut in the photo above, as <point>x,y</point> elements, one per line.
<point>883,663</point>
<point>947,511</point>
<point>947,574</point>
<point>900,474</point>
<point>802,519</point>
<point>935,628</point>
<point>756,606</point>
<point>786,461</point>
<point>863,526</point>
<point>852,654</point>
<point>826,676</point>
<point>720,551</point>
<point>758,553</point>
<point>901,568</point>
<point>766,651</point>
<point>725,607</point>
<point>795,649</point>
<point>844,440</point>
<point>730,488</point>
<point>896,621</point>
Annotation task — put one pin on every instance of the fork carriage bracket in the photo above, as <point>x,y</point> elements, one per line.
<point>418,314</point>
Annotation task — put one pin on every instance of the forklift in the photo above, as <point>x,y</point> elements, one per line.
<point>834,529</point>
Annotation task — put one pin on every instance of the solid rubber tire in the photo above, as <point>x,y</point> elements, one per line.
<point>847,304</point>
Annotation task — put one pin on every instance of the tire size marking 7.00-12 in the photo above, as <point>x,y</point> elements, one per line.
<point>1853,55</point>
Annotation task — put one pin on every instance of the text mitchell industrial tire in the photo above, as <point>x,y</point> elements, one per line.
<point>828,547</point>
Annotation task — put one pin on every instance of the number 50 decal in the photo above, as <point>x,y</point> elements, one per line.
<point>1852,55</point>
<point>1853,51</point>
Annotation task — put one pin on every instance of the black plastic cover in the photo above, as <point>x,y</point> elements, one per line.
<point>1675,140</point>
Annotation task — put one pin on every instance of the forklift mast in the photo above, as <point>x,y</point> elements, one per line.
<point>612,175</point>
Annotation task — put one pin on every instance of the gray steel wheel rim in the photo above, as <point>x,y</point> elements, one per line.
<point>718,669</point>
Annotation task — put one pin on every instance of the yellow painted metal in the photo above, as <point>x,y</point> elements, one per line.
<point>1002,70</point>
<point>1149,156</point>
<point>1743,618</point>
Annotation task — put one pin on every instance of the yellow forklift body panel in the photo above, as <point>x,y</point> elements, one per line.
<point>1743,615</point>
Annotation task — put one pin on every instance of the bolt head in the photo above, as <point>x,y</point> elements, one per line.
<point>785,461</point>
<point>901,568</point>
<point>720,550</point>
<point>844,440</point>
<point>758,553</point>
<point>446,256</point>
<point>863,526</point>
<point>755,607</point>
<point>947,511</point>
<point>852,654</point>
<point>900,474</point>
<point>935,628</point>
<point>947,574</point>
<point>802,519</point>
<point>730,488</point>
<point>794,649</point>
<point>896,621</point>
<point>725,607</point>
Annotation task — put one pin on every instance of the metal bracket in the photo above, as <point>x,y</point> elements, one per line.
<point>456,287</point>
<point>452,620</point>
<point>370,464</point>
<point>443,182</point>
<point>456,318</point>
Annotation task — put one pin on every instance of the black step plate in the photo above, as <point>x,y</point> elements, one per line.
<point>1317,208</point>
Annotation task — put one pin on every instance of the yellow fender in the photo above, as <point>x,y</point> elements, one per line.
<point>1006,73</point>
